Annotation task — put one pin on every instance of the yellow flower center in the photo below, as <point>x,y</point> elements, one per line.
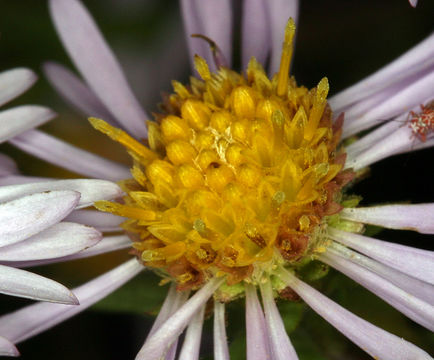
<point>238,175</point>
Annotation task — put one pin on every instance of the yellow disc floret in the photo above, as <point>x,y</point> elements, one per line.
<point>239,174</point>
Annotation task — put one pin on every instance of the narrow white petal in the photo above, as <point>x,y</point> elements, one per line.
<point>17,282</point>
<point>14,82</point>
<point>22,118</point>
<point>7,348</point>
<point>413,2</point>
<point>255,31</point>
<point>191,346</point>
<point>212,19</point>
<point>397,104</point>
<point>280,344</point>
<point>59,240</point>
<point>107,244</point>
<point>221,351</point>
<point>415,60</point>
<point>31,214</point>
<point>90,190</point>
<point>155,345</point>
<point>375,341</point>
<point>75,91</point>
<point>414,262</point>
<point>34,319</point>
<point>414,308</point>
<point>101,221</point>
<point>258,345</point>
<point>167,309</point>
<point>69,157</point>
<point>279,11</point>
<point>96,62</point>
<point>417,217</point>
<point>411,285</point>
<point>7,166</point>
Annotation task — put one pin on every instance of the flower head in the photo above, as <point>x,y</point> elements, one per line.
<point>240,185</point>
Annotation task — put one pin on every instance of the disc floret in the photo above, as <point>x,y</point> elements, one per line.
<point>240,175</point>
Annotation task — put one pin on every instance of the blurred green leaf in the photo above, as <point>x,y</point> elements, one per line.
<point>141,295</point>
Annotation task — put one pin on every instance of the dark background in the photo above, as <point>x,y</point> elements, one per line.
<point>343,40</point>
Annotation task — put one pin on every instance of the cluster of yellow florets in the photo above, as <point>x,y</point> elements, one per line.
<point>238,175</point>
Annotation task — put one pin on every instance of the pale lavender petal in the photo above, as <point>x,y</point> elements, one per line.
<point>400,102</point>
<point>414,262</point>
<point>167,308</point>
<point>414,308</point>
<point>280,11</point>
<point>212,19</point>
<point>34,319</point>
<point>101,221</point>
<point>411,285</point>
<point>399,141</point>
<point>258,345</point>
<point>31,214</point>
<point>156,345</point>
<point>409,64</point>
<point>413,3</point>
<point>191,346</point>
<point>22,118</point>
<point>7,166</point>
<point>14,82</point>
<point>7,348</point>
<point>107,244</point>
<point>17,282</point>
<point>255,32</point>
<point>90,190</point>
<point>76,92</point>
<point>96,62</point>
<point>20,179</point>
<point>280,344</point>
<point>59,240</point>
<point>416,217</point>
<point>69,157</point>
<point>221,351</point>
<point>375,341</point>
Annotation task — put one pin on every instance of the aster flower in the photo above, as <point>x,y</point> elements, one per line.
<point>241,184</point>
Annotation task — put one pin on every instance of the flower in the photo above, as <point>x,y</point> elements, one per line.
<point>286,156</point>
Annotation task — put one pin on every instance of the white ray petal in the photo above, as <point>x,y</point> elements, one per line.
<point>31,214</point>
<point>191,346</point>
<point>107,244</point>
<point>416,217</point>
<point>255,32</point>
<point>90,190</point>
<point>375,341</point>
<point>258,345</point>
<point>57,241</point>
<point>22,118</point>
<point>20,179</point>
<point>7,348</point>
<point>414,308</point>
<point>415,60</point>
<point>14,82</point>
<point>21,283</point>
<point>400,102</point>
<point>212,19</point>
<point>99,220</point>
<point>76,92</point>
<point>156,345</point>
<point>414,262</point>
<point>69,157</point>
<point>280,344</point>
<point>96,62</point>
<point>7,166</point>
<point>34,319</point>
<point>221,350</point>
<point>279,11</point>
<point>411,285</point>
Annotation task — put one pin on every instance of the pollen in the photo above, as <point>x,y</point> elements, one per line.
<point>238,176</point>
